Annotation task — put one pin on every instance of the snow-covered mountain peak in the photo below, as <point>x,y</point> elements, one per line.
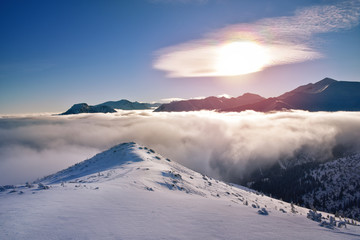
<point>131,165</point>
<point>131,187</point>
<point>109,160</point>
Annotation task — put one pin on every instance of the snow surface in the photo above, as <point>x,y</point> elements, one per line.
<point>130,192</point>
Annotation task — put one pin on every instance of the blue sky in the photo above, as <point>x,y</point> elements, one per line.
<point>56,53</point>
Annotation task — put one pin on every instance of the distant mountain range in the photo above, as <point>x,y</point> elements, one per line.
<point>109,107</point>
<point>209,103</point>
<point>325,95</point>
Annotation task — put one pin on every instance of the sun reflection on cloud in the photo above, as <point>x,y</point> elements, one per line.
<point>251,47</point>
<point>237,58</point>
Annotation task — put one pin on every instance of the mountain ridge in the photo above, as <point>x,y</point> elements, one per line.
<point>325,95</point>
<point>129,191</point>
<point>109,107</point>
<point>209,103</point>
<point>128,105</point>
<point>85,108</point>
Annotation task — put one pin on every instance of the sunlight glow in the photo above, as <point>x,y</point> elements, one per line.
<point>239,58</point>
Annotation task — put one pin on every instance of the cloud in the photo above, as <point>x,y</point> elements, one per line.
<point>225,96</point>
<point>284,40</point>
<point>167,100</point>
<point>223,145</point>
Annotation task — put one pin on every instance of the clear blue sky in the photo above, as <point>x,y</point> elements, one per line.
<point>56,53</point>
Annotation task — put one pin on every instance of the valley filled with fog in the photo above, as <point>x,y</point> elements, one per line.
<point>222,145</point>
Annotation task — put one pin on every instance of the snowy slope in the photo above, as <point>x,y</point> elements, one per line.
<point>130,192</point>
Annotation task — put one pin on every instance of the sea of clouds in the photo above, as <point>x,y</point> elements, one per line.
<point>222,145</point>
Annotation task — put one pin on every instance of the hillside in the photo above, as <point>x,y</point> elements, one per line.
<point>332,186</point>
<point>130,192</point>
<point>209,103</point>
<point>84,108</point>
<point>330,96</point>
<point>267,105</point>
<point>338,188</point>
<point>128,105</point>
<point>325,95</point>
<point>109,107</point>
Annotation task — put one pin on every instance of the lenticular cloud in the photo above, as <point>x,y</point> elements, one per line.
<point>286,40</point>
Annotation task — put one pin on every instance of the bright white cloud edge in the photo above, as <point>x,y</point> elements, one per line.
<point>287,40</point>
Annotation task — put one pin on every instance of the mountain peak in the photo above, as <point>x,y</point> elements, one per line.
<point>327,79</point>
<point>112,158</point>
<point>324,82</point>
<point>131,184</point>
<point>85,108</point>
<point>109,107</point>
<point>325,95</point>
<point>310,88</point>
<point>133,165</point>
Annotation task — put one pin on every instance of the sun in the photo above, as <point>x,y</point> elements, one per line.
<point>238,58</point>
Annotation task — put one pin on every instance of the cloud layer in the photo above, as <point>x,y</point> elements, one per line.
<point>285,40</point>
<point>223,145</point>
